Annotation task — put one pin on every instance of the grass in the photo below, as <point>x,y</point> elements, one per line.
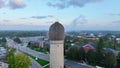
<point>44,49</point>
<point>118,48</point>
<point>40,61</point>
<point>47,66</point>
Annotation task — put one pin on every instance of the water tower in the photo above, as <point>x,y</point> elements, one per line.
<point>56,36</point>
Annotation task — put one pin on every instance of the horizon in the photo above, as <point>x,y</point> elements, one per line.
<point>75,15</point>
<point>65,31</point>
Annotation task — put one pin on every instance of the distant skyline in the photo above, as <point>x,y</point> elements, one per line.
<point>73,14</point>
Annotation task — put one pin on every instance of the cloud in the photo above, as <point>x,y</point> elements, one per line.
<point>118,21</point>
<point>61,4</point>
<point>4,13</point>
<point>49,22</point>
<point>6,20</point>
<point>2,3</point>
<point>54,17</point>
<point>79,20</point>
<point>23,18</point>
<point>114,14</point>
<point>39,17</point>
<point>12,4</point>
<point>43,17</point>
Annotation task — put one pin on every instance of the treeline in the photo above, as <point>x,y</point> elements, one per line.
<point>21,33</point>
<point>97,57</point>
<point>3,42</point>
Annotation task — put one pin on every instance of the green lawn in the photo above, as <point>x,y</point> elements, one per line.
<point>44,49</point>
<point>40,61</point>
<point>47,66</point>
<point>118,48</point>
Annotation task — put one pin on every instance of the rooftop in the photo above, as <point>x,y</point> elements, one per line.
<point>56,31</point>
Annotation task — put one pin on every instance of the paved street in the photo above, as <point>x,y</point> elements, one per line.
<point>44,56</point>
<point>76,65</point>
<point>34,64</point>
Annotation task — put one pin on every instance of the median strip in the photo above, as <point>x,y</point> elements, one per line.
<point>40,61</point>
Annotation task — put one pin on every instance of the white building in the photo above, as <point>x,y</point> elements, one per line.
<point>3,65</point>
<point>118,40</point>
<point>2,51</point>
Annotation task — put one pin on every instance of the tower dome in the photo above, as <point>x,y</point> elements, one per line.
<point>56,31</point>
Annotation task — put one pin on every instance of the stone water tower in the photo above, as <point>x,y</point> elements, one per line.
<point>56,36</point>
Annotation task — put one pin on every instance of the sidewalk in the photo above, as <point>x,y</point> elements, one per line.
<point>34,64</point>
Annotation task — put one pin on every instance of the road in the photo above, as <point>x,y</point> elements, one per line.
<point>73,64</point>
<point>44,56</point>
<point>34,64</point>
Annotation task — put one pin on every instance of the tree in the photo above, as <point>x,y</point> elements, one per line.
<point>91,55</point>
<point>99,52</point>
<point>67,45</point>
<point>99,55</point>
<point>80,41</point>
<point>21,61</point>
<point>4,40</point>
<point>81,54</point>
<point>118,60</point>
<point>110,60</point>
<point>18,60</point>
<point>73,53</point>
<point>10,56</point>
<point>118,63</point>
<point>118,57</point>
<point>85,40</point>
<point>100,44</point>
<point>17,40</point>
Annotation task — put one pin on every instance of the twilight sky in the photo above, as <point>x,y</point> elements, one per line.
<point>73,14</point>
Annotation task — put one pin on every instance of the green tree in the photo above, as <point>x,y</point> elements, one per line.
<point>18,60</point>
<point>99,57</point>
<point>85,40</point>
<point>110,60</point>
<point>118,63</point>
<point>10,56</point>
<point>73,53</point>
<point>17,40</point>
<point>80,41</point>
<point>21,61</point>
<point>91,55</point>
<point>100,44</point>
<point>99,52</point>
<point>118,56</point>
<point>4,40</point>
<point>118,60</point>
<point>81,54</point>
<point>67,45</point>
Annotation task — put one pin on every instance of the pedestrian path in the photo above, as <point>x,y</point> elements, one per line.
<point>34,64</point>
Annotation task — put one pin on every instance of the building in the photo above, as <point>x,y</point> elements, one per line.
<point>115,52</point>
<point>56,36</point>
<point>3,65</point>
<point>2,52</point>
<point>36,44</point>
<point>118,40</point>
<point>88,46</point>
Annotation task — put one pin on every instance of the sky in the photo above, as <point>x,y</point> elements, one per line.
<point>73,14</point>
